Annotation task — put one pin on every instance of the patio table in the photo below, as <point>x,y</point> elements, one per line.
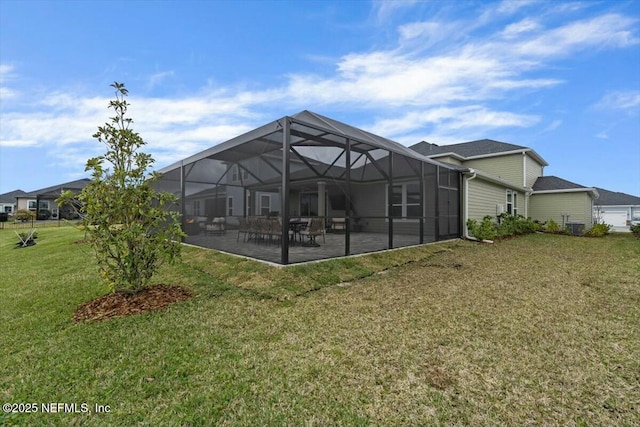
<point>297,226</point>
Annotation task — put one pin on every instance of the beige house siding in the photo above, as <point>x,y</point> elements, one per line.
<point>578,205</point>
<point>484,197</point>
<point>23,203</point>
<point>449,159</point>
<point>509,167</point>
<point>533,170</point>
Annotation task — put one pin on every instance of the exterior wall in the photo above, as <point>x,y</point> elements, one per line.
<point>509,168</point>
<point>484,197</point>
<point>449,159</point>
<point>533,170</point>
<point>4,206</point>
<point>578,205</point>
<point>23,203</point>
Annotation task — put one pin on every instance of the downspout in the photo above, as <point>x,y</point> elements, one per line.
<point>466,207</point>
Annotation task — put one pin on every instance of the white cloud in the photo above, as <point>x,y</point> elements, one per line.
<point>6,75</point>
<point>158,78</point>
<point>603,31</point>
<point>620,100</point>
<point>415,92</point>
<point>447,120</point>
<point>385,9</point>
<point>553,126</point>
<point>518,28</point>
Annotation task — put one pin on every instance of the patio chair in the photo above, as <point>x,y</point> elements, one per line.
<point>276,230</point>
<point>315,228</point>
<point>244,228</point>
<point>264,228</point>
<point>338,224</point>
<point>217,226</point>
<point>253,228</point>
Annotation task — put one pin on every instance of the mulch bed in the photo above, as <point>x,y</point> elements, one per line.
<point>118,304</point>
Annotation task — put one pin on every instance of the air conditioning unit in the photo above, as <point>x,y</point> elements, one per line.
<point>499,210</point>
<point>575,228</point>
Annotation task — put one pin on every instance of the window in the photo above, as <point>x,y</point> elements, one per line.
<point>196,207</point>
<point>8,209</point>
<point>229,206</point>
<point>405,201</point>
<point>265,205</point>
<point>308,204</point>
<point>512,202</point>
<point>236,171</point>
<point>248,204</point>
<point>44,204</point>
<point>32,205</point>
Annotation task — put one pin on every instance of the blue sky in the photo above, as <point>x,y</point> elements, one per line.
<point>560,77</point>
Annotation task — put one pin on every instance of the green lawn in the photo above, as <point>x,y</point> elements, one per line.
<point>536,330</point>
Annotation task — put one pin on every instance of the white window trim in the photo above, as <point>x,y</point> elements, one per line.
<point>35,202</point>
<point>404,203</point>
<point>513,202</point>
<point>268,206</point>
<point>230,206</point>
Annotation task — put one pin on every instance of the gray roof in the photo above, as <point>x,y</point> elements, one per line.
<point>56,190</point>
<point>481,147</point>
<point>260,141</point>
<point>547,183</point>
<point>10,197</point>
<point>612,198</point>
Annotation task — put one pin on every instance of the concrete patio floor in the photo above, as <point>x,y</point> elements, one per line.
<point>332,246</point>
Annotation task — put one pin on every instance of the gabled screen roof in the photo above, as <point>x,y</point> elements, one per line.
<point>307,129</point>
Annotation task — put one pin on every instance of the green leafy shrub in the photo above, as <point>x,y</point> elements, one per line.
<point>513,225</point>
<point>44,214</point>
<point>552,227</point>
<point>635,229</point>
<point>486,230</point>
<point>24,215</point>
<point>598,230</point>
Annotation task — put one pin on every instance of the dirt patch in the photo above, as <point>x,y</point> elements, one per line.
<point>117,304</point>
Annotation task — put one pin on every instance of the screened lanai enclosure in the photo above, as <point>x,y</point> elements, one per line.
<point>306,187</point>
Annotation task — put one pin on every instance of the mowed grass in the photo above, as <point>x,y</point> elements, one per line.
<point>536,330</point>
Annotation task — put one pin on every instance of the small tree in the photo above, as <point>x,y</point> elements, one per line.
<point>129,225</point>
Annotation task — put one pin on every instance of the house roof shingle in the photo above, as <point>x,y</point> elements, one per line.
<point>10,197</point>
<point>547,183</point>
<point>55,190</point>
<point>481,147</point>
<point>466,149</point>
<point>612,198</point>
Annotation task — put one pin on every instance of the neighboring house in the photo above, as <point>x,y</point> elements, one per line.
<point>616,209</point>
<point>504,177</point>
<point>43,200</point>
<point>8,202</point>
